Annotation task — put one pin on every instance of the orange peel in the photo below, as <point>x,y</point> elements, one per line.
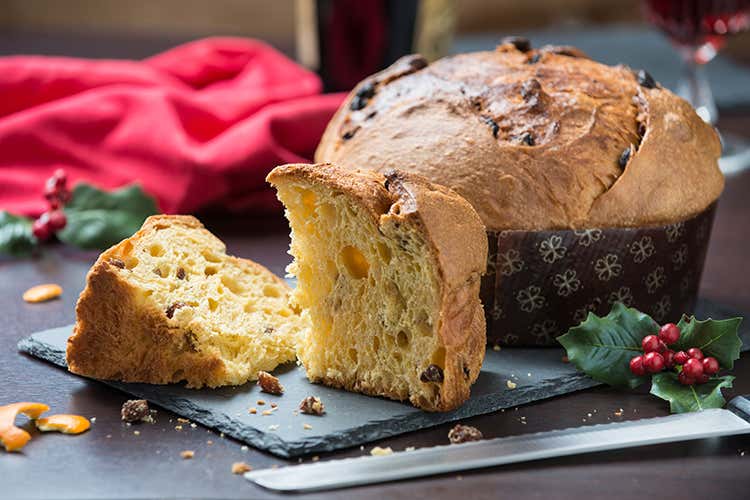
<point>41,293</point>
<point>12,437</point>
<point>67,424</point>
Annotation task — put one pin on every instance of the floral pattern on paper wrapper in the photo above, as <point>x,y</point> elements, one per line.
<point>540,283</point>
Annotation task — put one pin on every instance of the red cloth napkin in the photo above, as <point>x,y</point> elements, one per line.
<point>199,125</point>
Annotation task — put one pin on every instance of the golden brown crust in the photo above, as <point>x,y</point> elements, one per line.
<point>459,246</point>
<point>533,139</point>
<point>120,335</point>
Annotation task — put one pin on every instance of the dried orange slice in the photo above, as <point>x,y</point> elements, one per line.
<point>67,424</point>
<point>12,437</point>
<point>41,293</point>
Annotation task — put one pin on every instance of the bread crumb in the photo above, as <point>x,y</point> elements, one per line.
<point>209,442</point>
<point>243,448</point>
<point>137,433</point>
<point>240,468</point>
<point>270,384</point>
<point>134,410</point>
<point>511,384</point>
<point>178,427</point>
<point>495,347</point>
<point>315,458</point>
<point>267,412</point>
<point>463,434</point>
<point>183,420</point>
<point>307,426</point>
<point>379,452</point>
<point>253,411</point>
<point>274,405</point>
<point>260,402</point>
<point>619,412</point>
<point>221,435</point>
<point>187,454</point>
<point>193,426</point>
<point>92,419</point>
<point>312,405</point>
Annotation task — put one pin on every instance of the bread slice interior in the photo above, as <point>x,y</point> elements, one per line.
<point>368,280</point>
<point>168,304</point>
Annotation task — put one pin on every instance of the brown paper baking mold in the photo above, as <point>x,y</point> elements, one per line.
<point>540,283</point>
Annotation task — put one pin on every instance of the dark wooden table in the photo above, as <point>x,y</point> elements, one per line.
<point>111,461</point>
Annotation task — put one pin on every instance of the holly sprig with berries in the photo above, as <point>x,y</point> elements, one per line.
<point>86,217</point>
<point>683,361</point>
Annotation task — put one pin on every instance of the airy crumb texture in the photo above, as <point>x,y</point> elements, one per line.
<point>464,434</point>
<point>388,269</point>
<point>240,468</point>
<point>169,305</point>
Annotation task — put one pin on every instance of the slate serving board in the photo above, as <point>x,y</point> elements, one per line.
<point>351,419</point>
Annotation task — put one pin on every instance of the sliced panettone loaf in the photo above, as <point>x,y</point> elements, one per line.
<point>388,268</point>
<point>169,305</point>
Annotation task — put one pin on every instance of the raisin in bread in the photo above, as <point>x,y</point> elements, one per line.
<point>388,268</point>
<point>169,305</point>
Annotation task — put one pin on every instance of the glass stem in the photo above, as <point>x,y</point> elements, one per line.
<point>695,89</point>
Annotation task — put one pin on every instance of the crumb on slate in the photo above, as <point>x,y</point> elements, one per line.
<point>312,405</point>
<point>134,410</point>
<point>511,384</point>
<point>270,384</point>
<point>187,454</point>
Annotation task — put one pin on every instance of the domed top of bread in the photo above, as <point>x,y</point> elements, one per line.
<point>534,138</point>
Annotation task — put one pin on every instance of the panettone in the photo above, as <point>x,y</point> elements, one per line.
<point>534,138</point>
<point>388,268</point>
<point>169,305</point>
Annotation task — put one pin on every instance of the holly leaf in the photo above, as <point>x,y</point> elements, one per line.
<point>687,398</point>
<point>99,219</point>
<point>717,338</point>
<point>602,347</point>
<point>16,238</point>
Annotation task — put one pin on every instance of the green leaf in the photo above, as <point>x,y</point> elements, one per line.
<point>717,338</point>
<point>603,347</point>
<point>16,238</point>
<point>686,398</point>
<point>98,219</point>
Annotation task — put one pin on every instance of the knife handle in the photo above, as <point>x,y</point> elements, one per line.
<point>740,406</point>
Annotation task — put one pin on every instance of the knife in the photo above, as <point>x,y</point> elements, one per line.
<point>334,474</point>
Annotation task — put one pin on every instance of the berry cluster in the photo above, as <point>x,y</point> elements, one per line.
<point>57,194</point>
<point>693,367</point>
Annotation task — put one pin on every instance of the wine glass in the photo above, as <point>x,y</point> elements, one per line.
<point>698,29</point>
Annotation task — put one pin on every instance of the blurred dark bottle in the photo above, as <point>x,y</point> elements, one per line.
<point>699,27</point>
<point>347,40</point>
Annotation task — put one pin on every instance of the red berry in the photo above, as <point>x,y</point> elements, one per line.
<point>636,366</point>
<point>669,333</point>
<point>702,379</point>
<point>710,365</point>
<point>684,379</point>
<point>57,220</point>
<point>668,356</point>
<point>662,347</point>
<point>60,177</point>
<point>653,361</point>
<point>680,358</point>
<point>693,367</point>
<point>650,343</point>
<point>40,229</point>
<point>695,353</point>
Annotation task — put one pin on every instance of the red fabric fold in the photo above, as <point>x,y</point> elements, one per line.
<point>199,125</point>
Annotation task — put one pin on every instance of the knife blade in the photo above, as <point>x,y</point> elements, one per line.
<point>334,474</point>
